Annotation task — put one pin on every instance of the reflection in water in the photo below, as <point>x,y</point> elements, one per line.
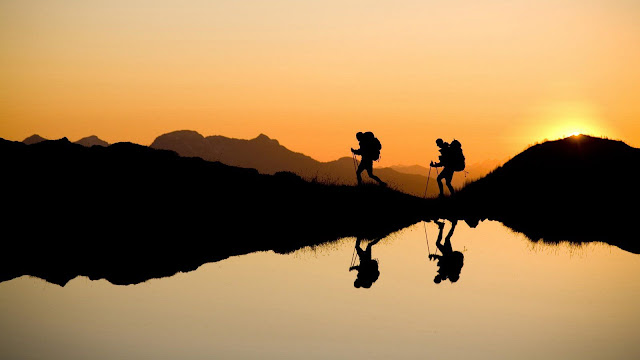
<point>518,300</point>
<point>450,262</point>
<point>367,268</point>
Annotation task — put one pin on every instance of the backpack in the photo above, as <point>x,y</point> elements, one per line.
<point>455,157</point>
<point>373,145</point>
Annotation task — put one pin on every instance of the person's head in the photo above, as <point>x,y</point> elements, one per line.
<point>437,279</point>
<point>439,142</point>
<point>454,277</point>
<point>359,136</point>
<point>357,283</point>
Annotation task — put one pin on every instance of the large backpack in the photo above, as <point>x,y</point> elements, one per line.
<point>455,157</point>
<point>373,145</point>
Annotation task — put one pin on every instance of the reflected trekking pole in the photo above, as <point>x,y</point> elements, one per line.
<point>424,223</point>
<point>428,178</point>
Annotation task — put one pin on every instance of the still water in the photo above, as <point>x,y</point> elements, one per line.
<point>514,300</point>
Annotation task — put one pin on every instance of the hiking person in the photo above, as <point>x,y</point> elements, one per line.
<point>369,151</point>
<point>450,262</point>
<point>452,159</point>
<point>367,269</point>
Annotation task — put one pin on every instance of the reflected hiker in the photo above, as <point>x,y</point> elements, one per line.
<point>452,159</point>
<point>369,151</point>
<point>367,268</point>
<point>450,262</point>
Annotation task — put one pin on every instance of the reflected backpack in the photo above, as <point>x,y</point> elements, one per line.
<point>455,157</point>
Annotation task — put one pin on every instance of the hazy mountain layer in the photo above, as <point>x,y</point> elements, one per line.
<point>268,157</point>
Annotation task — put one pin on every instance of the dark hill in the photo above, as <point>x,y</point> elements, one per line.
<point>156,213</point>
<point>569,189</point>
<point>268,156</point>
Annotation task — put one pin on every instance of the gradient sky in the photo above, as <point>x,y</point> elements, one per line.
<point>497,75</point>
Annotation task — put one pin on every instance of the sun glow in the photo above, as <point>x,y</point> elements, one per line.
<point>569,130</point>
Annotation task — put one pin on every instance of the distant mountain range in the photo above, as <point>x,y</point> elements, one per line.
<point>472,171</point>
<point>88,141</point>
<point>268,156</point>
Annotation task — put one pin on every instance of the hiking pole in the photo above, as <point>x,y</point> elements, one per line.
<point>355,164</point>
<point>428,178</point>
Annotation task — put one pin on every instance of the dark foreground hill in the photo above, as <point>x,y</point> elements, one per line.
<point>570,189</point>
<point>268,156</point>
<point>128,213</point>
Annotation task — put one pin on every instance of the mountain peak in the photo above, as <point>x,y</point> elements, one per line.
<point>265,138</point>
<point>92,140</point>
<point>34,139</point>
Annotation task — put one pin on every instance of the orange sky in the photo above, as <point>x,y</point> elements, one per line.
<point>497,75</point>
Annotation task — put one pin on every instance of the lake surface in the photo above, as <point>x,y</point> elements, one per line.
<point>514,300</point>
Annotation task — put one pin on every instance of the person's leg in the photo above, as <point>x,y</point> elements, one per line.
<point>373,243</point>
<point>361,168</point>
<point>439,241</point>
<point>448,178</point>
<point>358,249</point>
<point>440,186</point>
<point>370,172</point>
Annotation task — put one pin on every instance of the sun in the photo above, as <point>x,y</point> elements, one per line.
<point>570,129</point>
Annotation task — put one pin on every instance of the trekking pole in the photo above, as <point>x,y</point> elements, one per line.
<point>428,178</point>
<point>355,164</point>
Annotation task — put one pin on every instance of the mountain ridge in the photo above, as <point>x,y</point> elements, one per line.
<point>268,156</point>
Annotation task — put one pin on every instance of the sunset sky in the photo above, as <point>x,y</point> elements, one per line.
<point>497,75</point>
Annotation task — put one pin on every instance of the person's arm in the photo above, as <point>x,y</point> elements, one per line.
<point>356,151</point>
<point>436,165</point>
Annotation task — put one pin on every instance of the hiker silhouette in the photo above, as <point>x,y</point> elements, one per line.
<point>452,159</point>
<point>450,262</point>
<point>367,268</point>
<point>369,151</point>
